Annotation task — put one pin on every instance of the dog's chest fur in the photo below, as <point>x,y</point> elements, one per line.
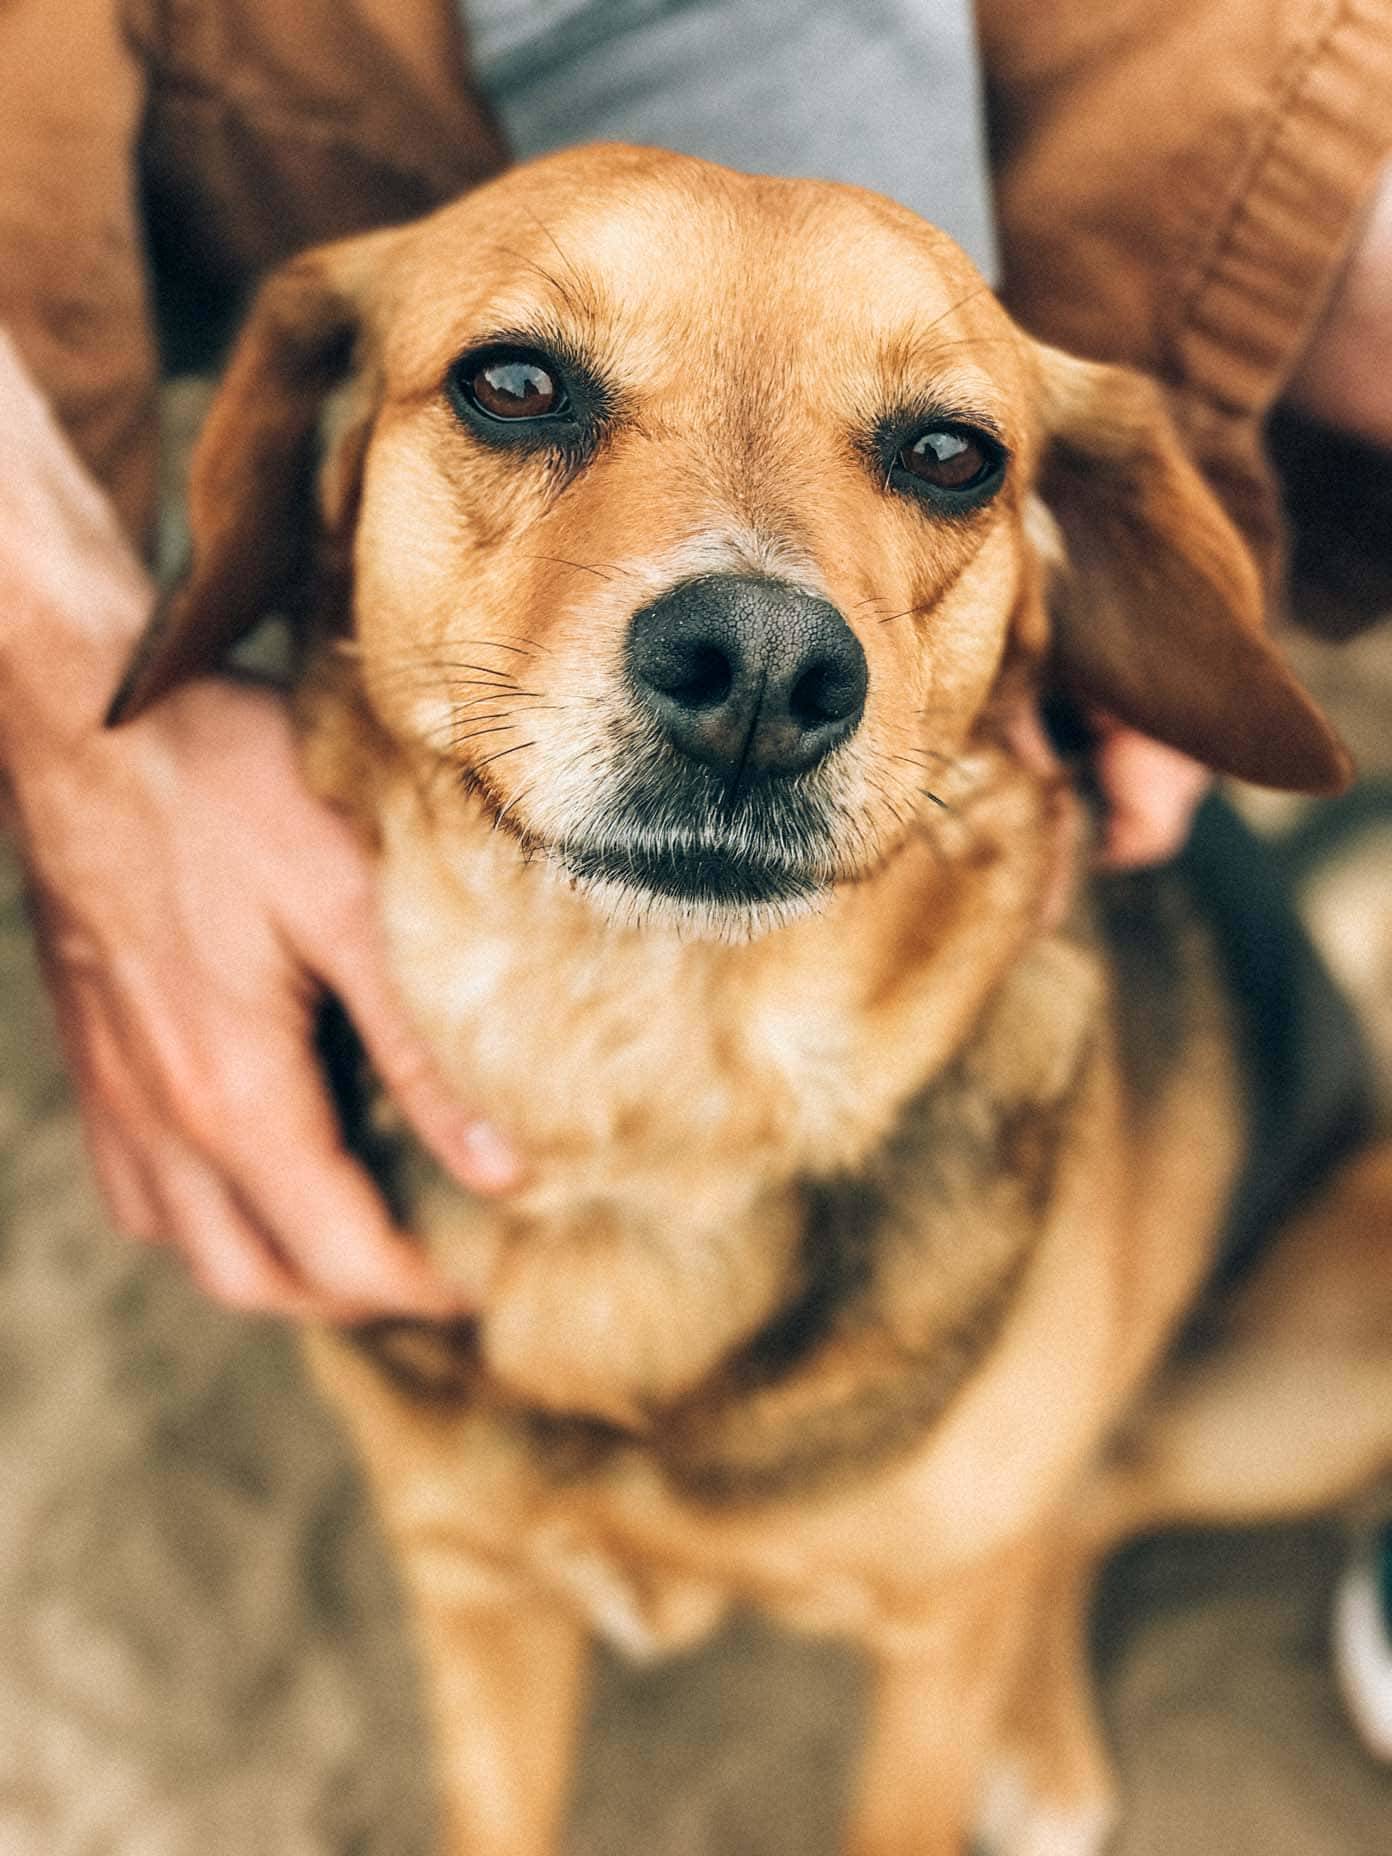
<point>784,1217</point>
<point>673,1095</point>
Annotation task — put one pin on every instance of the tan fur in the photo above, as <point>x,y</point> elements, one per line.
<point>847,1241</point>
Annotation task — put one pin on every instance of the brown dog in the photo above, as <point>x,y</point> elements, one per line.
<point>687,555</point>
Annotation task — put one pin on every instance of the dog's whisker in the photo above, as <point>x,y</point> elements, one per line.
<point>493,715</point>
<point>518,799</point>
<point>455,732</point>
<point>494,644</point>
<point>503,753</point>
<point>488,694</point>
<point>477,734</point>
<point>429,675</point>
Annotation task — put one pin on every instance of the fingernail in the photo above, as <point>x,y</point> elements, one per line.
<point>490,1162</point>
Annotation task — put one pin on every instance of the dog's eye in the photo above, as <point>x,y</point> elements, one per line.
<point>511,383</point>
<point>952,458</point>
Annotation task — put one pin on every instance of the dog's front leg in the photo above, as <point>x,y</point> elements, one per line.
<point>506,1685</point>
<point>919,1771</point>
<point>504,1663</point>
<point>1048,1789</point>
<point>941,1679</point>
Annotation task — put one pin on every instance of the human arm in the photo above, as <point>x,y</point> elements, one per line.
<point>192,901</point>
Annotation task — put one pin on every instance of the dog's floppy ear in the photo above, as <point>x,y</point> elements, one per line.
<point>1158,605</point>
<point>251,489</point>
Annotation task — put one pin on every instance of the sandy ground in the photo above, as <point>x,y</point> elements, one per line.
<point>200,1644</point>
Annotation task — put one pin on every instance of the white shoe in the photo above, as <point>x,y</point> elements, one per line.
<point>1363,1641</point>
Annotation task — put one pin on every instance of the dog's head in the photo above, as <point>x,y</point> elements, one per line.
<point>698,521</point>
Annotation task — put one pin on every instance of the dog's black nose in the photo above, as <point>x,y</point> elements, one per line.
<point>743,672</point>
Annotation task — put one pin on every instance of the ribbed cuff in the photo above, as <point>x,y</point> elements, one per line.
<point>1259,290</point>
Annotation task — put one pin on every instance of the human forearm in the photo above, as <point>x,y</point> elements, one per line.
<point>192,900</point>
<point>73,595</point>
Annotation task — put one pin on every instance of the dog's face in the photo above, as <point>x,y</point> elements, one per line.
<point>697,519</point>
<point>690,522</point>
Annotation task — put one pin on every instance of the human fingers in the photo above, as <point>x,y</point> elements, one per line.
<point>266,1125</point>
<point>1151,791</point>
<point>118,1170</point>
<point>227,1255</point>
<point>1344,378</point>
<point>105,1092</point>
<point>157,1187</point>
<point>352,964</point>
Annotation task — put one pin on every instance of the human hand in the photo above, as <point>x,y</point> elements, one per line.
<point>192,898</point>
<point>1345,376</point>
<point>1151,792</point>
<point>1344,380</point>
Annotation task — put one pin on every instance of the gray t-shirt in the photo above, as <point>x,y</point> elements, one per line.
<point>884,93</point>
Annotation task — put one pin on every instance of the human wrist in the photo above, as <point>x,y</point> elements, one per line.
<point>60,663</point>
<point>74,596</point>
<point>1344,379</point>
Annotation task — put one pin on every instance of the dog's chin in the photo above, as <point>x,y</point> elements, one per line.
<point>700,890</point>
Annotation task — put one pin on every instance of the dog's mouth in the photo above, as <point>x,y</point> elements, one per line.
<point>673,839</point>
<point>697,875</point>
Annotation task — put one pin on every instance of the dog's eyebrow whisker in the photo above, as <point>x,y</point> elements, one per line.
<point>581,567</point>
<point>582,285</point>
<point>610,571</point>
<point>952,308</point>
<point>975,341</point>
<point>562,290</point>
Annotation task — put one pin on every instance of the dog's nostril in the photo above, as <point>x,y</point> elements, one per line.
<point>826,692</point>
<point>749,675</point>
<point>703,678</point>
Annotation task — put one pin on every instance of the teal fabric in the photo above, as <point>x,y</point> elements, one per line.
<point>882,93</point>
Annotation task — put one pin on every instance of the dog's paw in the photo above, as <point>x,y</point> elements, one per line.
<point>1015,1818</point>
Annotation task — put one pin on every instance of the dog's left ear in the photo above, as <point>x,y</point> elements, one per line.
<point>252,482</point>
<point>1158,606</point>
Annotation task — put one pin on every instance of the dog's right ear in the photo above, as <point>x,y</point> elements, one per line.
<point>1158,609</point>
<point>251,494</point>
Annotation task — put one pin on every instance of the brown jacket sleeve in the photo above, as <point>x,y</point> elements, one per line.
<point>1178,182</point>
<point>199,145</point>
<point>72,274</point>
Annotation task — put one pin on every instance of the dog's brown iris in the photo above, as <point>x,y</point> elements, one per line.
<point>947,457</point>
<point>515,387</point>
